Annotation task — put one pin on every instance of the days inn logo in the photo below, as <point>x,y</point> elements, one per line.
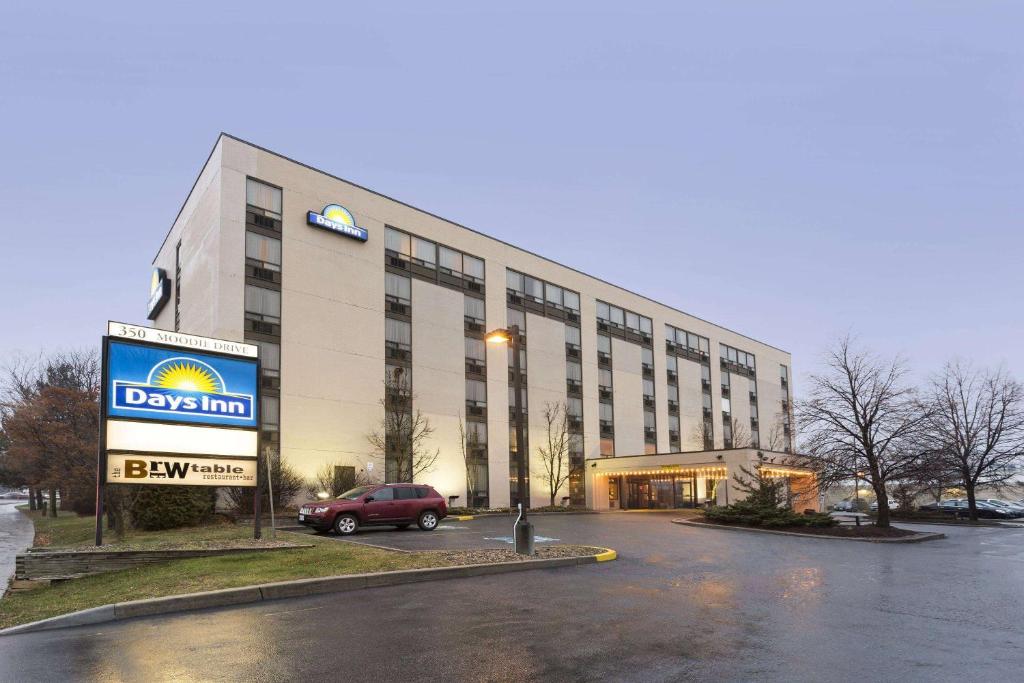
<point>179,387</point>
<point>337,218</point>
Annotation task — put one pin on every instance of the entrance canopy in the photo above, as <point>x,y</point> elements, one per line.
<point>694,479</point>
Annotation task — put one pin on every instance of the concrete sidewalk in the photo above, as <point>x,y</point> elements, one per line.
<point>16,533</point>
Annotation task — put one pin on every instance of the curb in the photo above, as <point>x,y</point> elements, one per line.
<point>466,518</point>
<point>291,589</point>
<point>917,538</point>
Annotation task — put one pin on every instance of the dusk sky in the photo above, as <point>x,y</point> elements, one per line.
<point>790,170</point>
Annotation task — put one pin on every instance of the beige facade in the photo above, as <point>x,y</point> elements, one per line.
<point>332,332</point>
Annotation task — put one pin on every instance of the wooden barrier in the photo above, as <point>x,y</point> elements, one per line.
<point>55,565</point>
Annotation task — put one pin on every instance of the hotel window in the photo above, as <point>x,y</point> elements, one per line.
<point>263,304</point>
<point>476,393</point>
<point>604,379</point>
<point>572,336</point>
<point>647,359</point>
<point>784,375</point>
<point>648,389</point>
<point>512,402</point>
<point>474,310</point>
<point>514,281</point>
<point>177,287</point>
<point>270,357</point>
<point>450,260</point>
<point>553,295</point>
<point>705,377</point>
<point>673,396</point>
<point>516,317</point>
<point>475,350</point>
<point>265,250</point>
<point>672,367</point>
<point>397,241</point>
<point>397,334</point>
<point>607,446</point>
<point>605,413</point>
<point>726,405</point>
<point>424,252</point>
<point>602,311</point>
<point>476,433</point>
<point>650,431</point>
<point>511,359</point>
<point>473,267</point>
<point>753,411</point>
<point>673,429</point>
<point>397,288</point>
<point>574,372</point>
<point>726,381</point>
<point>270,411</point>
<point>604,346</point>
<point>616,316</point>
<point>632,321</point>
<point>572,301</point>
<point>263,196</point>
<point>706,403</point>
<point>534,289</point>
<point>574,408</point>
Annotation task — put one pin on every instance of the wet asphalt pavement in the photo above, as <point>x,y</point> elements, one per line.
<point>15,535</point>
<point>681,603</point>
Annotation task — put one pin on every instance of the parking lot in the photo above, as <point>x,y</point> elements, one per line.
<point>485,531</point>
<point>680,603</point>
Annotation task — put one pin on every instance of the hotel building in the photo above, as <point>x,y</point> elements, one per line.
<point>365,308</point>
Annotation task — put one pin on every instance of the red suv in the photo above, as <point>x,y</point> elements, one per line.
<point>393,504</point>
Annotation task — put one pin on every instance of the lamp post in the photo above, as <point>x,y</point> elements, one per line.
<point>523,529</point>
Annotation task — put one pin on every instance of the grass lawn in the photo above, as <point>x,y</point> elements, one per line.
<point>327,557</point>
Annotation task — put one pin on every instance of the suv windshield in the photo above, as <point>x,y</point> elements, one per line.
<point>352,494</point>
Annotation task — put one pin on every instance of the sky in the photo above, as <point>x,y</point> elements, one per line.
<point>794,171</point>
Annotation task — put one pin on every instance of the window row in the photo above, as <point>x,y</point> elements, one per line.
<point>688,340</point>
<point>621,317</point>
<point>432,255</point>
<point>542,292</point>
<point>736,356</point>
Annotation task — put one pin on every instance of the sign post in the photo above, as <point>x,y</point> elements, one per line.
<point>177,409</point>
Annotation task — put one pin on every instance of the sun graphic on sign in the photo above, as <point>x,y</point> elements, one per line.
<point>186,376</point>
<point>338,214</point>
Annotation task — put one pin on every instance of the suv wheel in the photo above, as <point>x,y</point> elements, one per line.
<point>345,525</point>
<point>428,520</point>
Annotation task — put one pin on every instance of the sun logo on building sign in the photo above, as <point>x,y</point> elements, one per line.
<point>338,214</point>
<point>185,374</point>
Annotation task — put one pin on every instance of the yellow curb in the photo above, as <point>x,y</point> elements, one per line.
<point>607,556</point>
<point>462,518</point>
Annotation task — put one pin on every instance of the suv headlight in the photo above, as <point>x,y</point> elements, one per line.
<point>320,510</point>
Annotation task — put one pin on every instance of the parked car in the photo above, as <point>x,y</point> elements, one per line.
<point>399,505</point>
<point>960,508</point>
<point>1016,510</point>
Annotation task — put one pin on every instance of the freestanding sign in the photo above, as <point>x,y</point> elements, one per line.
<point>176,409</point>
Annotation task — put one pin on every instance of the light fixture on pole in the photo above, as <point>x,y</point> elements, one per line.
<point>523,529</point>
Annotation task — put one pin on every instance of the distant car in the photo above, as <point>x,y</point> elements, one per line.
<point>930,507</point>
<point>399,505</point>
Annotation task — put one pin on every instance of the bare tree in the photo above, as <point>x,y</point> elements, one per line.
<point>469,444</point>
<point>554,453</point>
<point>774,439</point>
<point>704,435</point>
<point>331,479</point>
<point>403,437</point>
<point>860,419</point>
<point>740,434</point>
<point>976,426</point>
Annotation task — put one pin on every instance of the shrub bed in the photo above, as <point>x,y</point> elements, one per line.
<point>751,514</point>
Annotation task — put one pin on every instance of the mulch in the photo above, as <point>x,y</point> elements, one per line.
<point>866,531</point>
<point>492,555</point>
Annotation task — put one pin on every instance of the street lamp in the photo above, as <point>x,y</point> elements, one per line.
<point>523,529</point>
